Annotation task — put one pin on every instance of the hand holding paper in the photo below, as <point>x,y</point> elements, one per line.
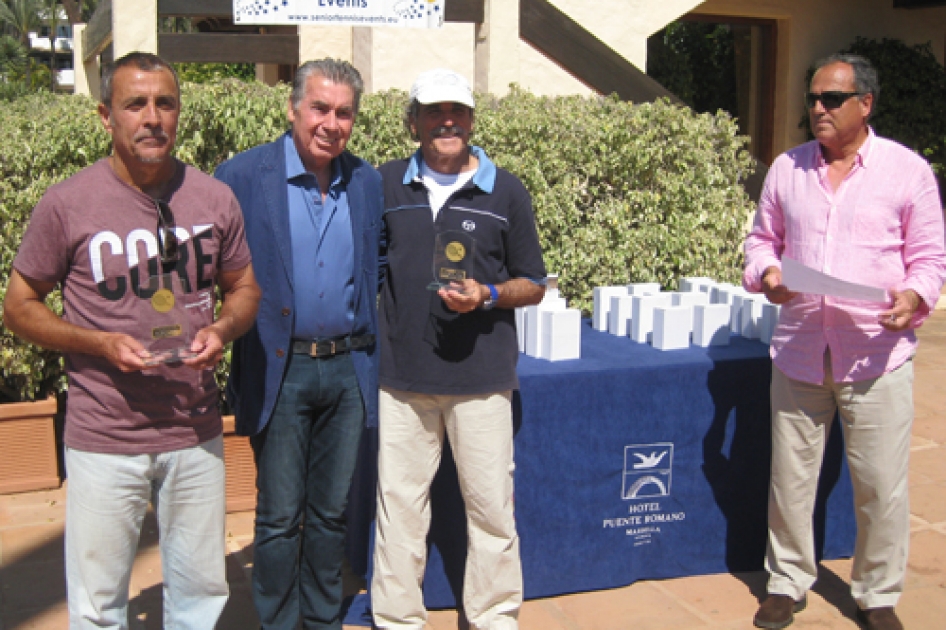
<point>801,279</point>
<point>774,289</point>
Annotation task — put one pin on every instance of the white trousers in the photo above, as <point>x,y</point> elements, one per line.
<point>876,418</point>
<point>411,434</point>
<point>106,500</point>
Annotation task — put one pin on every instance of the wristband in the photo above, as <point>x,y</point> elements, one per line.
<point>493,297</point>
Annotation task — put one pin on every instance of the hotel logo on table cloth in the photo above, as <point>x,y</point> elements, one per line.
<point>648,470</point>
<point>647,476</point>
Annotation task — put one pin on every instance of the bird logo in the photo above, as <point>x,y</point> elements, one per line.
<point>649,461</point>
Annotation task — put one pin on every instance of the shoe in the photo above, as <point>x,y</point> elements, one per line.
<point>879,618</point>
<point>778,611</point>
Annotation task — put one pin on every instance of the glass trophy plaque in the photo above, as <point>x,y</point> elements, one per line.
<point>165,328</point>
<point>453,258</point>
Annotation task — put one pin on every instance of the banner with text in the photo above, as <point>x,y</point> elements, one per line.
<point>404,13</point>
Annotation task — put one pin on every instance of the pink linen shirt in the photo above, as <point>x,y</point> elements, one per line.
<point>882,227</point>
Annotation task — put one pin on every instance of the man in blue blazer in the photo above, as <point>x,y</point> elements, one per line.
<point>303,381</point>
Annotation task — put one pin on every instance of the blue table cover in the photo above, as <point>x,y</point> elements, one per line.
<point>631,463</point>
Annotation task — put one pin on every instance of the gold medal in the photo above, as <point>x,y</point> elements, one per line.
<point>455,251</point>
<point>162,301</point>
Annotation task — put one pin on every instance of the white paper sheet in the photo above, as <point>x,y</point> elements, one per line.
<point>801,279</point>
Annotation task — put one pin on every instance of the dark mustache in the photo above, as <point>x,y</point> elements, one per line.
<point>455,130</point>
<point>157,134</point>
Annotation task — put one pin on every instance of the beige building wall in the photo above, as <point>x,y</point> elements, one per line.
<point>393,57</point>
<point>493,56</point>
<point>541,75</point>
<point>317,42</point>
<point>811,29</point>
<point>625,25</point>
<point>134,26</point>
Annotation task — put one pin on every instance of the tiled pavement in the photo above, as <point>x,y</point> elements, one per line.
<point>32,586</point>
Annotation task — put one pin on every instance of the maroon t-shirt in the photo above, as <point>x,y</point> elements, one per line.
<point>98,236</point>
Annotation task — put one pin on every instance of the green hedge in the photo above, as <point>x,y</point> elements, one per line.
<point>621,192</point>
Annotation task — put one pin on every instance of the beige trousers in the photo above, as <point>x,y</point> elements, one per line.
<point>876,418</point>
<point>411,434</point>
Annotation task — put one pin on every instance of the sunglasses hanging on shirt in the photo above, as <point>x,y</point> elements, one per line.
<point>169,248</point>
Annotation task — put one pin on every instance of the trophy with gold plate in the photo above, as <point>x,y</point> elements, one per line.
<point>453,258</point>
<point>166,328</point>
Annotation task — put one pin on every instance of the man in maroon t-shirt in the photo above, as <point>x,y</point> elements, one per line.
<point>138,242</point>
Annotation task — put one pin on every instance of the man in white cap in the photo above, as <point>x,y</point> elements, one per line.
<point>463,252</point>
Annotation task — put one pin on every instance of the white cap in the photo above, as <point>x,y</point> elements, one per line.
<point>442,86</point>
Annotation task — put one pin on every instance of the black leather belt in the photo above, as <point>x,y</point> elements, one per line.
<point>331,347</point>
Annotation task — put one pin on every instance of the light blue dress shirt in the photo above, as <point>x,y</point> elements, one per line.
<point>322,251</point>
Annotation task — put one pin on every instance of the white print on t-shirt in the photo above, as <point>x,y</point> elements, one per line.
<point>204,301</point>
<point>107,243</point>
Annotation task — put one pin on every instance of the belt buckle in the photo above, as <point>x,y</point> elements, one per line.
<point>315,349</point>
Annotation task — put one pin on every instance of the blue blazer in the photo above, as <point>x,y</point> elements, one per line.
<point>260,357</point>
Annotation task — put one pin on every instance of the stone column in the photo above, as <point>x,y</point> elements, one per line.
<point>87,72</point>
<point>267,73</point>
<point>134,26</point>
<point>497,47</point>
<point>362,55</point>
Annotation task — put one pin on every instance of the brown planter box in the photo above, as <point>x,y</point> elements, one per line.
<point>241,469</point>
<point>29,460</point>
<point>28,456</point>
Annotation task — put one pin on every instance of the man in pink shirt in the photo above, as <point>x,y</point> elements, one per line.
<point>867,210</point>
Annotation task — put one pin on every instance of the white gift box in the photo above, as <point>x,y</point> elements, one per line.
<point>562,332</point>
<point>534,336</point>
<point>643,288</point>
<point>690,300</point>
<point>722,293</point>
<point>770,313</point>
<point>521,327</point>
<point>711,325</point>
<point>602,304</point>
<point>619,316</point>
<point>751,316</point>
<point>735,313</point>
<point>642,315</point>
<point>672,327</point>
<point>699,284</point>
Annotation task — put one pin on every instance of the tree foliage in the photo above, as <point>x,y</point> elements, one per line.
<point>621,192</point>
<point>13,57</point>
<point>21,17</point>
<point>696,62</point>
<point>210,72</point>
<point>78,11</point>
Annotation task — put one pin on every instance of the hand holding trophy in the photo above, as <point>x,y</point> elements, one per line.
<point>454,259</point>
<point>167,334</point>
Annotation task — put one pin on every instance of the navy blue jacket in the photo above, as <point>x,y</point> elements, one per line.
<point>260,357</point>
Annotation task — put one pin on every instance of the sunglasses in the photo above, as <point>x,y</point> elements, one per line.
<point>830,100</point>
<point>168,246</point>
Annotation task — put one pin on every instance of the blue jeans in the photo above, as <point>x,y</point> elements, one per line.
<point>107,497</point>
<point>305,459</point>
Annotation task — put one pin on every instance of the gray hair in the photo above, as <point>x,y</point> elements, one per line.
<point>865,76</point>
<point>335,70</point>
<point>143,61</point>
<point>411,112</point>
